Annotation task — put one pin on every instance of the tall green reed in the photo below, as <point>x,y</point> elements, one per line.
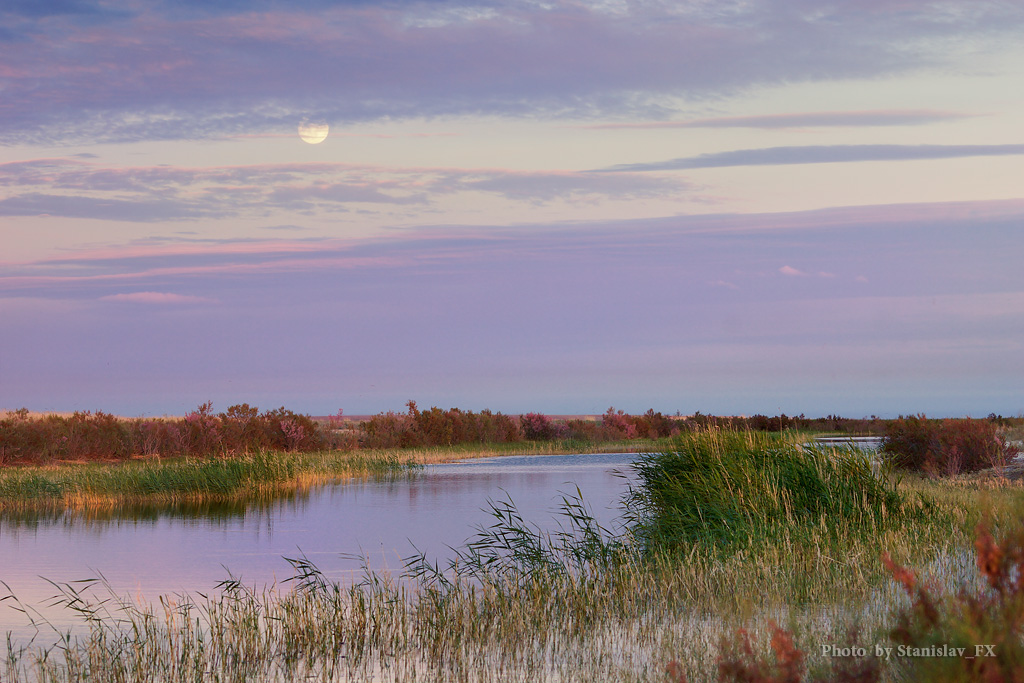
<point>723,490</point>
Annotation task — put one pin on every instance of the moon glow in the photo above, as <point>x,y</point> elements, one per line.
<point>313,132</point>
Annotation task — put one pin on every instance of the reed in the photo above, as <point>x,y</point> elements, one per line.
<point>578,604</point>
<point>727,492</point>
<point>171,481</point>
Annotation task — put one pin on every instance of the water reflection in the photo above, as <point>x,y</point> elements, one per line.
<point>205,512</point>
<point>868,444</point>
<point>148,551</point>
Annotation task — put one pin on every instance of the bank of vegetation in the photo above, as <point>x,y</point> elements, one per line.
<point>27,439</point>
<point>798,547</point>
<point>948,447</point>
<point>97,460</point>
<point>32,439</point>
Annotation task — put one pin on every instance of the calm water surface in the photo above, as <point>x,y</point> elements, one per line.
<point>152,551</point>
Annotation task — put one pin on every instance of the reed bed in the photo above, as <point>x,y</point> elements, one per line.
<point>579,604</point>
<point>624,628</point>
<point>91,486</point>
<point>440,454</point>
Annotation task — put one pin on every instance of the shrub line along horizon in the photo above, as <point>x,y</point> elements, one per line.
<point>26,439</point>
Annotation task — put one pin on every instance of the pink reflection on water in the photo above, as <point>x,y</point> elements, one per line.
<point>154,552</point>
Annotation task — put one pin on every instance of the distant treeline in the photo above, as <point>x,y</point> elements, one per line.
<point>241,428</point>
<point>100,436</point>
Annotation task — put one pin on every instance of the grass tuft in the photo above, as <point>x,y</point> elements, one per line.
<point>724,491</point>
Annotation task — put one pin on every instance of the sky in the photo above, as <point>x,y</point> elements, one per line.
<point>733,207</point>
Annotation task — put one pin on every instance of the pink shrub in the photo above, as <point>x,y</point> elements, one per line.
<point>620,424</point>
<point>536,427</point>
<point>200,431</point>
<point>286,430</point>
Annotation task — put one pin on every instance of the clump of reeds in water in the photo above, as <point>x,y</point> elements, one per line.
<point>727,489</point>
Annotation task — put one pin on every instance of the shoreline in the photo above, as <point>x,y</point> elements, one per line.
<point>84,486</point>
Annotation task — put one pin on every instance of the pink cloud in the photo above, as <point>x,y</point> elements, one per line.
<point>272,266</point>
<point>348,328</point>
<point>158,298</point>
<point>724,283</point>
<point>794,272</point>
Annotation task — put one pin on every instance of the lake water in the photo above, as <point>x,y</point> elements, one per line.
<point>868,444</point>
<point>149,552</point>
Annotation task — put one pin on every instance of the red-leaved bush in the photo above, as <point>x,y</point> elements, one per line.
<point>436,427</point>
<point>243,428</point>
<point>945,447</point>
<point>984,631</point>
<point>201,433</point>
<point>988,625</point>
<point>536,427</point>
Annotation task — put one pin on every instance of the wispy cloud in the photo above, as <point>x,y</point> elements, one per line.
<point>158,298</point>
<point>893,117</point>
<point>790,271</point>
<point>111,209</point>
<point>547,186</point>
<point>82,189</point>
<point>724,283</point>
<point>180,263</point>
<point>191,70</point>
<point>821,154</point>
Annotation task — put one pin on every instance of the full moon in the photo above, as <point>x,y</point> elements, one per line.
<point>313,132</point>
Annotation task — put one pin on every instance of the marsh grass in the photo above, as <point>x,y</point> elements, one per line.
<point>92,486</point>
<point>440,454</point>
<point>172,481</point>
<point>623,623</point>
<point>755,495</point>
<point>575,604</point>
